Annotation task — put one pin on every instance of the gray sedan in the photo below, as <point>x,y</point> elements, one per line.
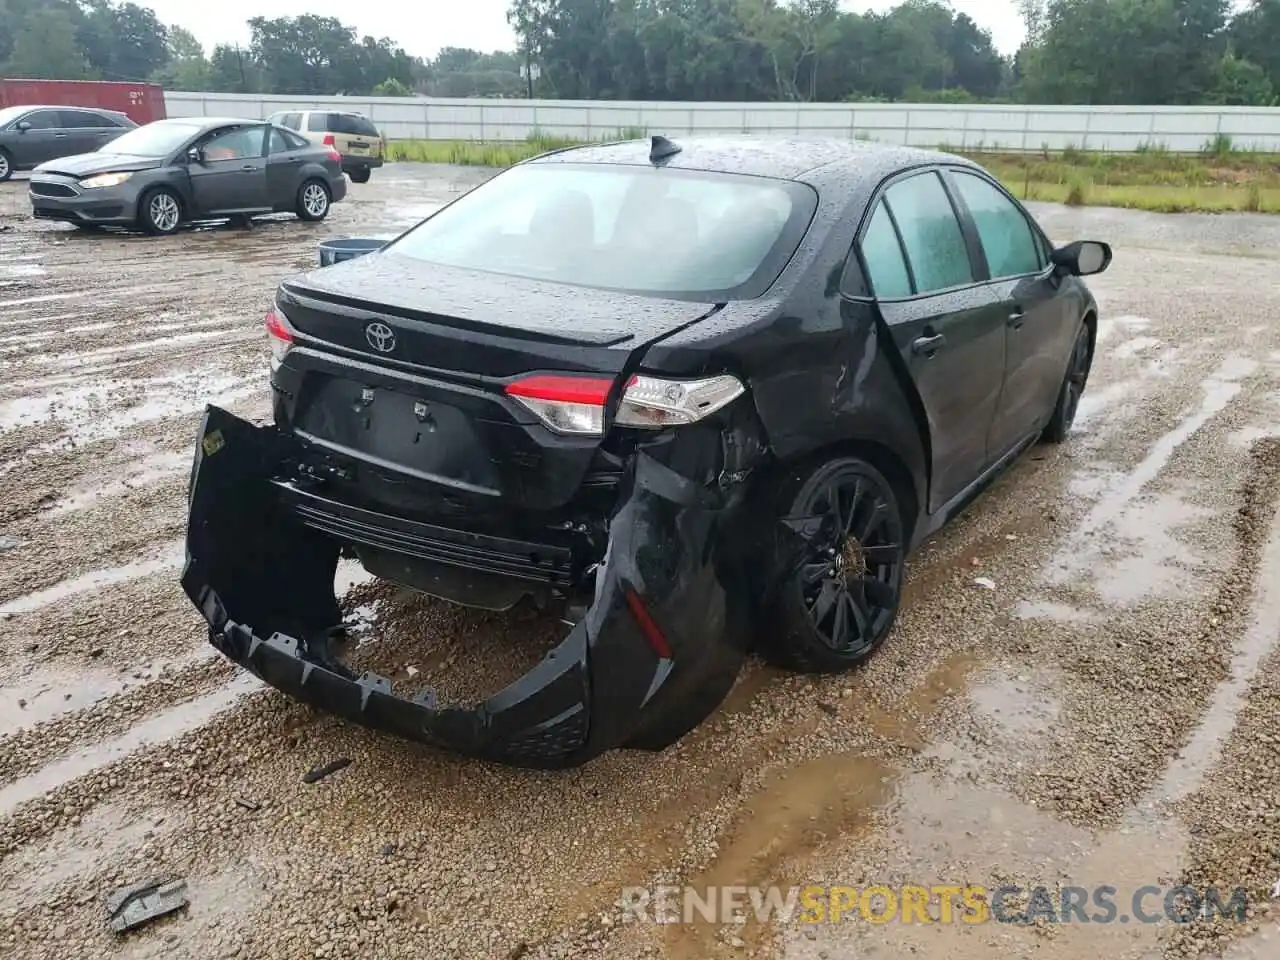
<point>31,135</point>
<point>166,173</point>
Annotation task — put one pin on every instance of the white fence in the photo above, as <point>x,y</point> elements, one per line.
<point>1008,127</point>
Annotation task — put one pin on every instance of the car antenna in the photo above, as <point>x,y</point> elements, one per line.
<point>661,148</point>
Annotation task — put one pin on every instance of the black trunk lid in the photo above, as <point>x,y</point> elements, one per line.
<point>399,367</point>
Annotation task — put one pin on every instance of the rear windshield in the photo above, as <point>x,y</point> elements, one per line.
<point>353,125</point>
<point>674,233</point>
<point>153,139</point>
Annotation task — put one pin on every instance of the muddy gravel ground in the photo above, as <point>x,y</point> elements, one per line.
<point>1103,708</point>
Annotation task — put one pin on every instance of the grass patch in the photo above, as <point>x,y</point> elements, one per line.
<point>1220,177</point>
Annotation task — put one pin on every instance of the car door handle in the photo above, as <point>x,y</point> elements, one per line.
<point>1017,318</point>
<point>928,346</point>
<point>59,136</point>
<point>248,168</point>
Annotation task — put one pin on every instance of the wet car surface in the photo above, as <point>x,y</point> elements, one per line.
<point>1101,708</point>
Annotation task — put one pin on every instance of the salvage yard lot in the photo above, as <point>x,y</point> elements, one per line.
<point>1109,713</point>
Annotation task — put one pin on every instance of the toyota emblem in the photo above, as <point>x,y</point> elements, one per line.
<point>381,337</point>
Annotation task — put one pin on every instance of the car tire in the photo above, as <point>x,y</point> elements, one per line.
<point>6,166</point>
<point>837,561</point>
<point>313,201</point>
<point>1073,384</point>
<point>160,212</point>
<point>360,176</point>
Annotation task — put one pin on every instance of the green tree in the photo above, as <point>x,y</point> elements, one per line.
<point>232,70</point>
<point>122,41</point>
<point>1242,83</point>
<point>187,68</point>
<point>392,88</point>
<point>45,46</point>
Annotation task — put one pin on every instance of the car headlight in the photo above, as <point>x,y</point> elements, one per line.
<point>105,180</point>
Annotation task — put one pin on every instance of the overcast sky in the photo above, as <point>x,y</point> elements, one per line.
<point>423,28</point>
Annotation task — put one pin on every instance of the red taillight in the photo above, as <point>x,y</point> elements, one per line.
<point>335,156</point>
<point>644,620</point>
<point>277,327</point>
<point>562,389</point>
<point>566,404</point>
<point>328,140</point>
<point>281,335</point>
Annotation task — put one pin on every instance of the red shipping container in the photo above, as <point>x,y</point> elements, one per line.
<point>141,102</point>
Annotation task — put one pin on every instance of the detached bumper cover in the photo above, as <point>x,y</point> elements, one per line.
<point>264,583</point>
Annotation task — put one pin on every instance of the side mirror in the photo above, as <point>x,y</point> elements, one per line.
<point>24,126</point>
<point>195,155</point>
<point>1082,258</point>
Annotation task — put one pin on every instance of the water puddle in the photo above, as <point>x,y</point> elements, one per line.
<point>138,473</point>
<point>1052,610</point>
<point>70,361</point>
<point>1133,347</point>
<point>1111,327</point>
<point>1096,531</point>
<point>1185,775</point>
<point>171,558</point>
<point>797,810</point>
<point>44,298</point>
<point>47,691</point>
<point>159,728</point>
<point>1144,558</point>
<point>106,834</point>
<point>948,832</point>
<point>84,406</point>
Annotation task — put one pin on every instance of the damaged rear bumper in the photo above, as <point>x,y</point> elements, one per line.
<point>656,652</point>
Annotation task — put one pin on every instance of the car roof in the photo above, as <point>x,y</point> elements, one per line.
<point>782,158</point>
<point>68,106</point>
<point>208,122</point>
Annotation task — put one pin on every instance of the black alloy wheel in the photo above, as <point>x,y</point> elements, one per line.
<point>1073,384</point>
<point>843,553</point>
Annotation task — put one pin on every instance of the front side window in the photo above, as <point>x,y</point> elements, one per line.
<point>882,253</point>
<point>43,120</point>
<point>930,233</point>
<point>1007,238</point>
<point>696,235</point>
<point>239,144</point>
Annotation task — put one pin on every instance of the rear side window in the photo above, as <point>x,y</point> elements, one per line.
<point>886,266</point>
<point>1010,244</point>
<point>294,141</point>
<point>81,120</point>
<point>361,127</point>
<point>318,122</point>
<point>278,143</point>
<point>930,233</point>
<point>291,120</point>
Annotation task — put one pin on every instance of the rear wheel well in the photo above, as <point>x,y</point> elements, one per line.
<point>876,454</point>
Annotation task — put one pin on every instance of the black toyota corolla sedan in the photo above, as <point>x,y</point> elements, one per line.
<point>698,397</point>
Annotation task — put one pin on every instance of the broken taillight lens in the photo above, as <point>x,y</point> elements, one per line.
<point>280,335</point>
<point>657,402</point>
<point>565,403</point>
